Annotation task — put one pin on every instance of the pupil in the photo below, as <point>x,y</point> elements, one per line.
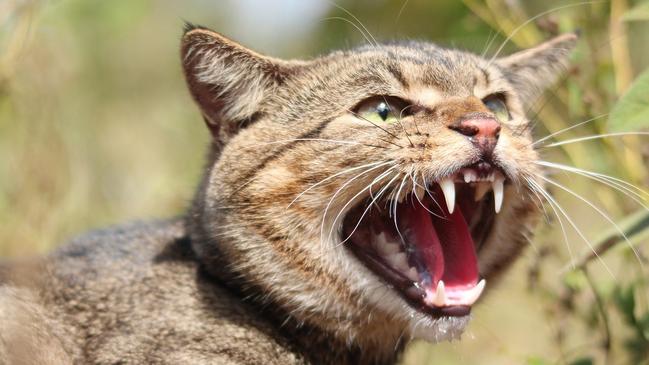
<point>383,111</point>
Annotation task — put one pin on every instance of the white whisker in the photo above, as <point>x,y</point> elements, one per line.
<point>567,129</point>
<point>620,185</point>
<point>549,198</point>
<point>563,229</point>
<point>381,163</point>
<point>528,21</point>
<point>596,136</point>
<point>382,176</point>
<point>598,210</point>
<point>341,188</point>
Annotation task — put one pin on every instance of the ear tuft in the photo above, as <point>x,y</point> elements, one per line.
<point>227,80</point>
<point>533,70</point>
<point>189,26</point>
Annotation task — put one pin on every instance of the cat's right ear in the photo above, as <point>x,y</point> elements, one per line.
<point>227,80</point>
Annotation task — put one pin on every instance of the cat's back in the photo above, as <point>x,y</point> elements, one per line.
<point>132,294</point>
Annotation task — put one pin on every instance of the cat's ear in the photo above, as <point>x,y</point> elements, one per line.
<point>532,70</point>
<point>227,80</point>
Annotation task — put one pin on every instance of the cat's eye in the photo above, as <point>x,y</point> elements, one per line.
<point>382,109</point>
<point>496,104</point>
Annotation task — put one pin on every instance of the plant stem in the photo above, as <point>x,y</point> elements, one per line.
<point>601,308</point>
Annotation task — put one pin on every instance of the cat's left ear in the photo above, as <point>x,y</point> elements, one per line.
<point>532,70</point>
<point>228,81</point>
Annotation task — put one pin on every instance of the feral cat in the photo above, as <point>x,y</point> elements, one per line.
<point>350,203</point>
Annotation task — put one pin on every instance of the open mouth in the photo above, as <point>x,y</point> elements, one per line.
<point>424,243</point>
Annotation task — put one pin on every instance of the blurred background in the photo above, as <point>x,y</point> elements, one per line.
<point>97,128</point>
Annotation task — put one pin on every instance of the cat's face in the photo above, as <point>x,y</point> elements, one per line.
<point>371,192</point>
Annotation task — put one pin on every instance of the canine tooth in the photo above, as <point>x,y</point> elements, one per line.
<point>481,188</point>
<point>498,192</point>
<point>448,188</point>
<point>475,293</point>
<point>440,295</point>
<point>413,274</point>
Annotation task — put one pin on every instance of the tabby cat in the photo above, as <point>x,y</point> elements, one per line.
<point>349,204</point>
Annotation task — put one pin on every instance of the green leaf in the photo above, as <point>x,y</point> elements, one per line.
<point>583,361</point>
<point>625,302</point>
<point>534,360</point>
<point>639,12</point>
<point>631,112</point>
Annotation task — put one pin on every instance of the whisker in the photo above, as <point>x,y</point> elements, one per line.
<point>342,187</point>
<point>567,129</point>
<point>490,40</point>
<point>598,210</point>
<point>549,198</point>
<point>415,184</point>
<point>528,21</point>
<point>428,192</point>
<point>386,187</point>
<point>256,145</point>
<point>376,125</point>
<point>395,203</point>
<point>357,20</point>
<point>380,163</point>
<point>414,120</point>
<point>400,11</point>
<point>352,24</point>
<point>603,178</point>
<point>563,229</point>
<point>333,225</point>
<point>596,136</point>
<point>401,125</point>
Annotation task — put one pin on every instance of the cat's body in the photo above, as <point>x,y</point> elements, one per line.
<point>256,271</point>
<point>136,294</point>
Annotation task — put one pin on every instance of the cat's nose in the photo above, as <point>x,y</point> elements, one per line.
<point>482,130</point>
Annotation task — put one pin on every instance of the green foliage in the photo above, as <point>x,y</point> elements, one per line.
<point>640,12</point>
<point>631,113</point>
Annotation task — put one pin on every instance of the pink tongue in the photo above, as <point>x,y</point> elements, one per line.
<point>459,250</point>
<point>444,244</point>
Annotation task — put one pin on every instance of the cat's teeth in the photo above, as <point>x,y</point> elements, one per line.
<point>398,261</point>
<point>440,295</point>
<point>469,176</point>
<point>448,188</point>
<point>481,189</point>
<point>384,247</point>
<point>498,192</point>
<point>472,296</point>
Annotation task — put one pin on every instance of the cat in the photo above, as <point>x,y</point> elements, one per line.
<point>350,203</point>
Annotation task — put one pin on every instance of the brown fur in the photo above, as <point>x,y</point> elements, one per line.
<point>250,274</point>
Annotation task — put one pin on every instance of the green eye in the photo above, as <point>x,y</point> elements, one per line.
<point>497,105</point>
<point>381,109</point>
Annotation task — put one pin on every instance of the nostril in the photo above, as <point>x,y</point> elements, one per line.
<point>465,129</point>
<point>487,128</point>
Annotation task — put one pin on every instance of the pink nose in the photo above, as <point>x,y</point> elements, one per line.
<point>483,131</point>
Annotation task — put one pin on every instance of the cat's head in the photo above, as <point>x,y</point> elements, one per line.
<point>368,192</point>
